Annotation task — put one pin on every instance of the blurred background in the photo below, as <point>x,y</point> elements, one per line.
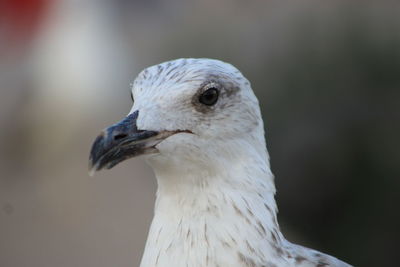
<point>327,74</point>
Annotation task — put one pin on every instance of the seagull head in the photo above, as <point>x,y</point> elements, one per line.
<point>185,111</point>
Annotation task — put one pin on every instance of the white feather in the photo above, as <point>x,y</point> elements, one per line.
<point>215,201</point>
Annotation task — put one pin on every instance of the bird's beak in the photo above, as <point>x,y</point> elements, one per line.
<point>122,141</point>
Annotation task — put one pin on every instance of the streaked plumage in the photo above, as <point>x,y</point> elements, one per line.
<point>215,200</point>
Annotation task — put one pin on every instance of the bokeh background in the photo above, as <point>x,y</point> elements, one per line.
<point>327,74</point>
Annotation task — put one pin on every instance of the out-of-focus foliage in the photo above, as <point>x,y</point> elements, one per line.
<point>327,75</point>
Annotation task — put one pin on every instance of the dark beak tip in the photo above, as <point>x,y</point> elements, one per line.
<point>92,168</point>
<point>117,143</point>
<point>95,154</point>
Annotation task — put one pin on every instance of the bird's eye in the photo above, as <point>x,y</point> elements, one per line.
<point>132,97</point>
<point>209,97</point>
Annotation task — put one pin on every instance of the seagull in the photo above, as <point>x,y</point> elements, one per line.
<point>198,124</point>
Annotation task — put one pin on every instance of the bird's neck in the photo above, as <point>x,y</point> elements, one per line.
<point>226,215</point>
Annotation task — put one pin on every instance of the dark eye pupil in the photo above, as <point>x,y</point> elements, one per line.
<point>209,97</point>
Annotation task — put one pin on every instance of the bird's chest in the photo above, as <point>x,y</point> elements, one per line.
<point>210,228</point>
<point>203,242</point>
<point>194,245</point>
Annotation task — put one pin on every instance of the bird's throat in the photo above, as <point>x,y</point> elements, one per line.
<point>225,220</point>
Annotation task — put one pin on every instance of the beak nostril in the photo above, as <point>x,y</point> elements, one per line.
<point>120,136</point>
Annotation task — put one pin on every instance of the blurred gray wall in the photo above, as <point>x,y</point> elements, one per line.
<point>327,77</point>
